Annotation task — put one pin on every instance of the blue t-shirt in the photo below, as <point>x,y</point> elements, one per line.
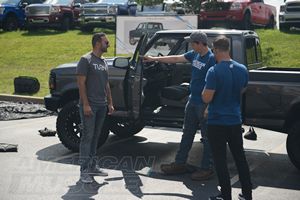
<point>200,65</point>
<point>227,78</point>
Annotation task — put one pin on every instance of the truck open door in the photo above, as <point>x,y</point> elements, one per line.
<point>134,78</point>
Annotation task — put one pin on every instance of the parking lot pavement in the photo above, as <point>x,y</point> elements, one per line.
<point>44,169</point>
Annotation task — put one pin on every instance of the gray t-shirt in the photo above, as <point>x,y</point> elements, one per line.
<point>96,71</point>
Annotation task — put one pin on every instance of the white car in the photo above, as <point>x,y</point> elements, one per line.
<point>289,15</point>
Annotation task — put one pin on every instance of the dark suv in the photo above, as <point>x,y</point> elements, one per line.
<point>61,14</point>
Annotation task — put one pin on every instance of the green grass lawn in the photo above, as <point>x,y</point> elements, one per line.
<point>34,54</point>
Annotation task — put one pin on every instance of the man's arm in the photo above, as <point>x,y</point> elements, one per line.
<point>166,59</point>
<point>208,95</point>
<point>83,96</point>
<point>109,99</point>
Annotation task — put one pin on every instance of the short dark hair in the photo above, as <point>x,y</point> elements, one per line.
<point>221,43</point>
<point>97,37</point>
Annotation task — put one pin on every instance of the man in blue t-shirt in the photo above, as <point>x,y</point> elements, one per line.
<point>225,83</point>
<point>202,59</point>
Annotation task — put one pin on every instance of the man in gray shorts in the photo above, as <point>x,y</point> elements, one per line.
<point>95,99</point>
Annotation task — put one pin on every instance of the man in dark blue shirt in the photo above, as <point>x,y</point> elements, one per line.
<point>225,83</point>
<point>202,59</point>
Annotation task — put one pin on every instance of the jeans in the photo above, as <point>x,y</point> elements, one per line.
<point>219,136</point>
<point>194,116</point>
<point>92,127</point>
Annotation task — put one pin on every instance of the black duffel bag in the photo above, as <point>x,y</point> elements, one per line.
<point>26,84</point>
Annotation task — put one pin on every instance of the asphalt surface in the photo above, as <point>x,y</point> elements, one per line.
<point>44,169</point>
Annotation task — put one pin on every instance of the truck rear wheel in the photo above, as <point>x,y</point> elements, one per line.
<point>65,24</point>
<point>293,144</point>
<point>69,129</point>
<point>125,129</point>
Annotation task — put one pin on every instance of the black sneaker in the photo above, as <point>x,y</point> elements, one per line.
<point>242,197</point>
<point>219,197</point>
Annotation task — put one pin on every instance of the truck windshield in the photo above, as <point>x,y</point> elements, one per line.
<point>162,46</point>
<point>61,2</point>
<point>13,2</point>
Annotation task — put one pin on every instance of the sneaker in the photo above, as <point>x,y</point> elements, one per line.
<point>97,171</point>
<point>242,197</point>
<point>202,175</point>
<point>86,178</point>
<point>173,168</point>
<point>219,197</point>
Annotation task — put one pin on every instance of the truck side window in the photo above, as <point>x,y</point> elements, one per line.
<point>253,53</point>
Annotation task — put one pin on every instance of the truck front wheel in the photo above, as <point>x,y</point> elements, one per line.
<point>125,129</point>
<point>293,144</point>
<point>69,127</point>
<point>11,23</point>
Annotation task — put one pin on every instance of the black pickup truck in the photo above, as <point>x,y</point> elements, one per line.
<point>155,94</point>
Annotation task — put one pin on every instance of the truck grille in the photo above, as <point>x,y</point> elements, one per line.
<point>293,7</point>
<point>38,10</point>
<point>95,10</point>
<point>216,6</point>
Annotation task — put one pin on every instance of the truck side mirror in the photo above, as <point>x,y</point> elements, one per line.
<point>24,4</point>
<point>77,5</point>
<point>121,62</point>
<point>132,3</point>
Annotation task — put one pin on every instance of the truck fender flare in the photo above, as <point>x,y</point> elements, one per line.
<point>248,9</point>
<point>293,113</point>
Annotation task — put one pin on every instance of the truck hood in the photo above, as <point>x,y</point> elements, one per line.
<point>8,5</point>
<point>70,68</point>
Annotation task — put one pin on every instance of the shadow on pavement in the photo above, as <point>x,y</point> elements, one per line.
<point>138,159</point>
<point>82,191</point>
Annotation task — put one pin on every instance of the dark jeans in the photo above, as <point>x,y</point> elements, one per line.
<point>192,119</point>
<point>219,136</point>
<point>89,138</point>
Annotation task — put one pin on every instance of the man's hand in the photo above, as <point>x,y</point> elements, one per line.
<point>111,109</point>
<point>87,111</point>
<point>148,59</point>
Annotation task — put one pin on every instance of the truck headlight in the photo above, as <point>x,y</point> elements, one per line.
<point>236,6</point>
<point>55,9</point>
<point>2,10</point>
<point>282,8</point>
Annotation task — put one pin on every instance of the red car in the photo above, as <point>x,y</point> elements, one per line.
<point>242,14</point>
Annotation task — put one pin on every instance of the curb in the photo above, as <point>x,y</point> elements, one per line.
<point>21,98</point>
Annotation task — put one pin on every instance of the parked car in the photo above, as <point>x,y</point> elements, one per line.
<point>103,11</point>
<point>289,15</point>
<point>62,14</point>
<point>242,14</point>
<point>12,14</point>
<point>142,28</point>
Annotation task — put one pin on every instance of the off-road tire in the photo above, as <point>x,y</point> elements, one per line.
<point>284,27</point>
<point>271,24</point>
<point>132,41</point>
<point>65,24</point>
<point>68,127</point>
<point>293,144</point>
<point>10,23</point>
<point>125,129</point>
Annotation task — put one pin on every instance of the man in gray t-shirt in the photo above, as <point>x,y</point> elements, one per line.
<point>95,99</point>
